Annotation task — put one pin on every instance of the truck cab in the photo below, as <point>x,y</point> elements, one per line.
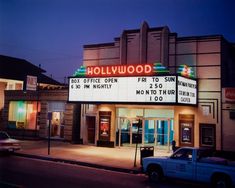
<point>194,164</point>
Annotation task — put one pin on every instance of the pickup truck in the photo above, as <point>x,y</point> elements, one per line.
<point>194,164</point>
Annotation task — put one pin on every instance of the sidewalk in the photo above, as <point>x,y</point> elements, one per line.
<point>119,159</point>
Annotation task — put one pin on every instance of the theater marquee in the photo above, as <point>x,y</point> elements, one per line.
<point>167,89</point>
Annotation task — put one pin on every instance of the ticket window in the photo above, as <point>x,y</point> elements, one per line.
<point>207,135</point>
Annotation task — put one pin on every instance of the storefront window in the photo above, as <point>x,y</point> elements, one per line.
<point>207,135</point>
<point>57,109</point>
<point>22,114</point>
<point>130,113</point>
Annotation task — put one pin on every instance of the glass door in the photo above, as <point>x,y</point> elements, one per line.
<point>162,133</point>
<point>136,131</point>
<point>155,132</point>
<point>129,131</point>
<point>158,132</point>
<point>149,132</point>
<point>124,131</point>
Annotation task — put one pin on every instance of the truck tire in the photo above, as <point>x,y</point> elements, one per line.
<point>155,174</point>
<point>221,181</point>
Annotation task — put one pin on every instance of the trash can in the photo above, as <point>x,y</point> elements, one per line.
<point>146,151</point>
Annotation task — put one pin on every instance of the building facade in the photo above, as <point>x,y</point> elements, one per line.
<point>13,76</point>
<point>27,96</point>
<point>37,115</point>
<point>209,123</point>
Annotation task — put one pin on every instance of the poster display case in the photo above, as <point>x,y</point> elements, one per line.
<point>186,129</point>
<point>104,125</point>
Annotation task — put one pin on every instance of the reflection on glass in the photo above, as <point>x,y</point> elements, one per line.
<point>125,130</point>
<point>149,132</point>
<point>136,131</point>
<point>156,132</point>
<point>22,114</point>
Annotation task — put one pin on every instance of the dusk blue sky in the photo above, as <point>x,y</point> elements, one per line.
<point>52,32</point>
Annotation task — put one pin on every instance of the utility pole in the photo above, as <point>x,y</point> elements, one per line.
<point>137,140</point>
<point>49,132</point>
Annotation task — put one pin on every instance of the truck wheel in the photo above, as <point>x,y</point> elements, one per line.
<point>221,182</point>
<point>155,174</point>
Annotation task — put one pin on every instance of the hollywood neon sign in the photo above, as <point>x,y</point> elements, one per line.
<point>121,70</point>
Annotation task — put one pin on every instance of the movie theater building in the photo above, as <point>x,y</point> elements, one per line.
<point>151,87</point>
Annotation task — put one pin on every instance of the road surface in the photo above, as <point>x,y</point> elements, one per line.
<point>33,173</point>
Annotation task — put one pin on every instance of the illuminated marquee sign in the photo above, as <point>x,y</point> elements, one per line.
<point>123,89</point>
<point>150,89</point>
<point>187,90</point>
<point>131,84</point>
<point>121,70</point>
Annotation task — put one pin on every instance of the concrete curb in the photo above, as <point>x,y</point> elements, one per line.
<point>61,160</point>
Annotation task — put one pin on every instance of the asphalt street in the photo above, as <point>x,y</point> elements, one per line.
<point>26,173</point>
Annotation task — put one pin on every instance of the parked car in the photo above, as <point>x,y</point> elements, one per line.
<point>194,164</point>
<point>7,143</point>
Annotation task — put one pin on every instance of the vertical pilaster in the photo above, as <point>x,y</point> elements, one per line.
<point>165,46</point>
<point>143,42</point>
<point>123,48</point>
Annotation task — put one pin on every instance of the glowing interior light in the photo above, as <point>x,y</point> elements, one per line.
<point>21,110</point>
<point>186,71</point>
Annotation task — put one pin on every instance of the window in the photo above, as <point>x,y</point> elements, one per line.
<point>18,86</point>
<point>183,154</point>
<point>207,135</point>
<point>22,114</point>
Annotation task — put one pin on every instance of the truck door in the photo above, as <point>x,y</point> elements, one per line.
<point>181,165</point>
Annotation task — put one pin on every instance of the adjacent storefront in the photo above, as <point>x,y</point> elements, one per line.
<point>23,114</point>
<point>26,114</point>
